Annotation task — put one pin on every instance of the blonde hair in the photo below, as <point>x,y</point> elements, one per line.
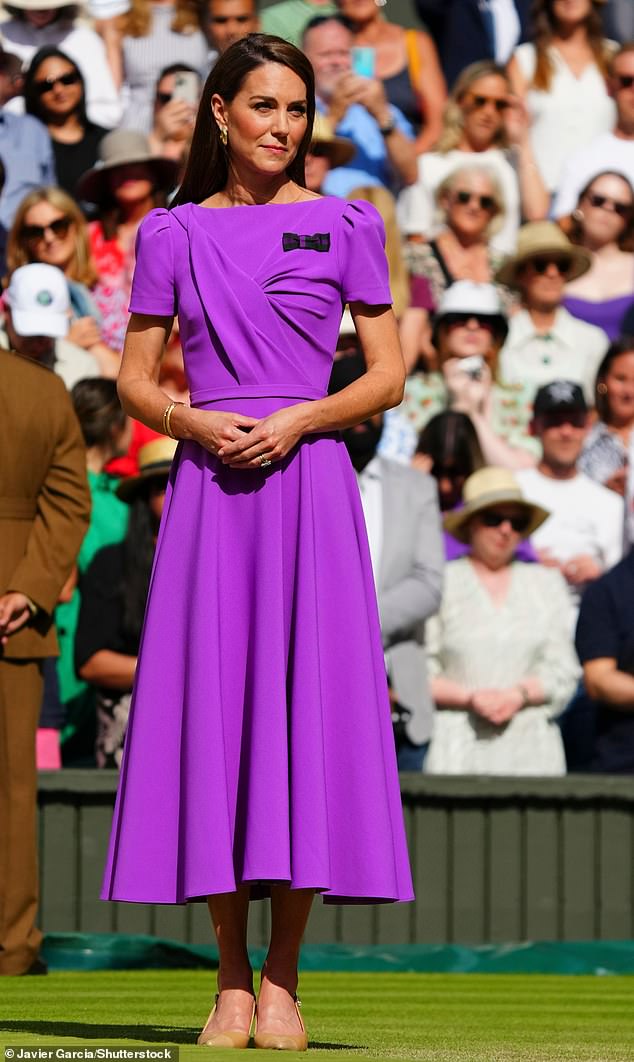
<point>445,188</point>
<point>81,267</point>
<point>399,278</point>
<point>137,21</point>
<point>453,117</point>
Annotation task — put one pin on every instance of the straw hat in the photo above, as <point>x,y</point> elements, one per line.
<point>477,300</point>
<point>338,149</point>
<point>155,459</point>
<point>124,147</point>
<point>485,489</point>
<point>536,240</point>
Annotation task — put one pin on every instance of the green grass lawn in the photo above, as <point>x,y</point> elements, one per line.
<point>431,1017</point>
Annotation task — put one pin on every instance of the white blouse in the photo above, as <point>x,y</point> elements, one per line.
<point>568,116</point>
<point>482,645</point>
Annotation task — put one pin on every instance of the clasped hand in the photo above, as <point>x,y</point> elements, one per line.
<point>241,442</point>
<point>14,613</point>
<point>496,706</point>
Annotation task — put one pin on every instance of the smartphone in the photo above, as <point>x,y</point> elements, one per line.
<point>186,87</point>
<point>363,61</point>
<point>473,366</point>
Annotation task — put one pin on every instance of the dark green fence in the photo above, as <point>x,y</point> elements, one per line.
<point>493,860</point>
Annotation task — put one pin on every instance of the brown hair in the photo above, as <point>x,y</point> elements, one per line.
<point>137,21</point>
<point>82,267</point>
<point>544,28</point>
<point>453,117</point>
<point>624,345</point>
<point>625,241</point>
<point>208,164</point>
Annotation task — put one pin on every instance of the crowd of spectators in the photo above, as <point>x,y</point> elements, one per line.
<point>496,139</point>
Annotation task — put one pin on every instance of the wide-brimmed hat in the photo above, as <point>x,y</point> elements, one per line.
<point>485,489</point>
<point>124,147</point>
<point>477,300</point>
<point>538,239</point>
<point>339,149</point>
<point>155,459</point>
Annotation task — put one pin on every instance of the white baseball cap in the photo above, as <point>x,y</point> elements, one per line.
<point>40,301</point>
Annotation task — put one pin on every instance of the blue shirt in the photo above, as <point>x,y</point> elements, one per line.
<point>371,164</point>
<point>27,154</point>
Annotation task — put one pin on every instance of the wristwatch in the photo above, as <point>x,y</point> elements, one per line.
<point>385,130</point>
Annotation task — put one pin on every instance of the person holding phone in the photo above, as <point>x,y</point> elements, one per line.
<point>356,105</point>
<point>175,102</point>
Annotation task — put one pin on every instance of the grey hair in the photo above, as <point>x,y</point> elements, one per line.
<point>471,170</point>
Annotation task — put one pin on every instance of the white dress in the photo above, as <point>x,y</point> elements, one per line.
<point>481,645</point>
<point>568,116</point>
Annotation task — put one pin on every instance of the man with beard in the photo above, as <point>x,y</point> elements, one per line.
<point>403,521</point>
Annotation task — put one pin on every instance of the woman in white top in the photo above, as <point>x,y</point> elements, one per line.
<point>500,655</point>
<point>32,26</point>
<point>562,77</point>
<point>483,123</point>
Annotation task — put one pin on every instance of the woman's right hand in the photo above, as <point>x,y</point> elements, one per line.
<point>214,431</point>
<point>467,394</point>
<point>84,332</point>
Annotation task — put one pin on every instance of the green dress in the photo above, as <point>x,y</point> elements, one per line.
<point>108,525</point>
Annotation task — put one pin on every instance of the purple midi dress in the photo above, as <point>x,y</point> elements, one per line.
<point>259,747</point>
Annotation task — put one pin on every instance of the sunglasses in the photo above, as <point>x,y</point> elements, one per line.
<point>457,320</point>
<point>49,83</point>
<point>479,102</point>
<point>622,209</point>
<point>493,518</point>
<point>624,81</point>
<point>59,227</point>
<point>540,265</point>
<point>485,202</point>
<point>576,418</point>
<point>163,98</point>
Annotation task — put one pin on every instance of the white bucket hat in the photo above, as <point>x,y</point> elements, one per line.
<point>39,299</point>
<point>467,298</point>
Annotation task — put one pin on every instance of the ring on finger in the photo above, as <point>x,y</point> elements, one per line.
<point>264,461</point>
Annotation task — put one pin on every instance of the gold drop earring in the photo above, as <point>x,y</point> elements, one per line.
<point>223,134</point>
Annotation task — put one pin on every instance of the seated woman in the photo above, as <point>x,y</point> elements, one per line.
<point>603,223</point>
<point>55,92</point>
<point>49,227</point>
<point>114,590</point>
<point>500,654</point>
<point>608,452</point>
<point>471,209</point>
<point>483,124</point>
<point>407,63</point>
<point>469,330</point>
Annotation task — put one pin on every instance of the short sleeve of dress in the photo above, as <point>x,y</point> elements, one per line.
<point>364,269</point>
<point>153,289</point>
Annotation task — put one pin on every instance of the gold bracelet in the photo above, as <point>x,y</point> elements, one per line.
<point>167,417</point>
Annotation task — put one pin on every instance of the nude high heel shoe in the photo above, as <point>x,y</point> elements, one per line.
<point>225,1037</point>
<point>283,1041</point>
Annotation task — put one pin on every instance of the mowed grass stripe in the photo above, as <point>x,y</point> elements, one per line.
<point>427,1017</point>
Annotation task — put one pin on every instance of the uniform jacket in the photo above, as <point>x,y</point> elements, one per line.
<point>44,496</point>
<point>409,586</point>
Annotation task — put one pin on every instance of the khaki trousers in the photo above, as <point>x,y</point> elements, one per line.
<point>21,689</point>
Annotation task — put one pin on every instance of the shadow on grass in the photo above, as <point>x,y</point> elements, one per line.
<point>153,1034</point>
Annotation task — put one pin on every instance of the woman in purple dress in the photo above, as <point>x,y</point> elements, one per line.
<point>259,758</point>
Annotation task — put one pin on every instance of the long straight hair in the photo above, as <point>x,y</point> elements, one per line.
<point>208,165</point>
<point>544,29</point>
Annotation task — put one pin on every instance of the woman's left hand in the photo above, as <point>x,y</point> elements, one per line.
<point>269,440</point>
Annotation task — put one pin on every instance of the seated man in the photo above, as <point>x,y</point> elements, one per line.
<point>37,319</point>
<point>583,536</point>
<point>406,548</point>
<point>226,21</point>
<point>613,151</point>
<point>605,644</point>
<point>357,107</point>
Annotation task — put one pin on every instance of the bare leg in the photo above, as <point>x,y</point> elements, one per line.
<point>229,914</point>
<point>290,909</point>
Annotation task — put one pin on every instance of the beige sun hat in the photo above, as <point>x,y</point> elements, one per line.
<point>339,149</point>
<point>483,490</point>
<point>539,238</point>
<point>123,147</point>
<point>155,459</point>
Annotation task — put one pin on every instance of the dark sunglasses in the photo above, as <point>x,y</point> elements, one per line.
<point>622,209</point>
<point>478,102</point>
<point>163,98</point>
<point>624,81</point>
<point>456,320</point>
<point>59,227</point>
<point>492,518</point>
<point>577,418</point>
<point>485,202</point>
<point>49,83</point>
<point>540,265</point>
